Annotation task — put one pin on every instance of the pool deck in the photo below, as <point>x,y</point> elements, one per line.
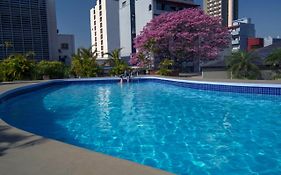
<point>23,153</point>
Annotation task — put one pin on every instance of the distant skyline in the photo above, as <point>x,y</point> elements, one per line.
<point>74,17</point>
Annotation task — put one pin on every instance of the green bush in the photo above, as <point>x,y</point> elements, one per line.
<point>52,69</point>
<point>165,67</point>
<point>118,65</point>
<point>119,69</point>
<point>17,67</point>
<point>84,64</point>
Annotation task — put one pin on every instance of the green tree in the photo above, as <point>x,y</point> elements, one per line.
<point>118,65</point>
<point>165,67</point>
<point>51,69</point>
<point>18,67</point>
<point>242,66</point>
<point>84,63</point>
<point>274,59</point>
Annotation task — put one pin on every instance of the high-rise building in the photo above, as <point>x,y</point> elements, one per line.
<point>28,26</point>
<point>115,23</point>
<point>135,14</point>
<point>241,30</point>
<point>227,10</point>
<point>105,27</point>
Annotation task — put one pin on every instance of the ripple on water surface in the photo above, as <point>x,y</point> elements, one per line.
<point>176,129</point>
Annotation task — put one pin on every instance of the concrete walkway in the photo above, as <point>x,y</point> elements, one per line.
<point>23,153</point>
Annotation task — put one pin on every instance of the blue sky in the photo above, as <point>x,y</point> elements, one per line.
<point>74,18</point>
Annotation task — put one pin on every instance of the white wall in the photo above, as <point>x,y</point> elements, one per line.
<point>112,25</point>
<point>125,28</point>
<point>108,22</point>
<point>143,14</point>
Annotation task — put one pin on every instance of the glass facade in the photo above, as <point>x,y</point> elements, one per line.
<point>24,24</point>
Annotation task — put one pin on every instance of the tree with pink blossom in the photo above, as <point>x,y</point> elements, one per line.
<point>182,36</point>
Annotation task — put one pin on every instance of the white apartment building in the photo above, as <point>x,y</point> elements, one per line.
<point>105,27</point>
<point>135,14</point>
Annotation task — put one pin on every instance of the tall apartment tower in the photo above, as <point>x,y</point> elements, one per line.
<point>227,10</point>
<point>135,14</point>
<point>105,27</point>
<point>28,25</point>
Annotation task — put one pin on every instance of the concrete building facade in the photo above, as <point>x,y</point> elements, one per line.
<point>255,43</point>
<point>270,40</point>
<point>135,14</point>
<point>28,26</point>
<point>227,10</point>
<point>241,30</point>
<point>105,27</point>
<point>66,48</point>
<point>115,23</point>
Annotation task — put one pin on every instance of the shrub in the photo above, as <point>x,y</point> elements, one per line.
<point>118,65</point>
<point>18,67</point>
<point>165,67</point>
<point>84,64</point>
<point>52,69</point>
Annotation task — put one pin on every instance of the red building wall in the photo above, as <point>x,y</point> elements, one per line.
<point>255,43</point>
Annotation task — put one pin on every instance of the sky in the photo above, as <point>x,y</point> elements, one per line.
<point>73,17</point>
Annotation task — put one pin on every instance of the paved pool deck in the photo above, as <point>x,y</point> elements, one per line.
<point>23,153</point>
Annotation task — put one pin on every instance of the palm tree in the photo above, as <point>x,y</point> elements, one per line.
<point>118,65</point>
<point>242,66</point>
<point>84,63</point>
<point>274,59</point>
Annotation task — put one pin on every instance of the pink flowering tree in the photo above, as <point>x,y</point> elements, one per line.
<point>183,36</point>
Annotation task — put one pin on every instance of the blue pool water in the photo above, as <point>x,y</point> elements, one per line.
<point>181,130</point>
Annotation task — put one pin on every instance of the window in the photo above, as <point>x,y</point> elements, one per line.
<point>149,7</point>
<point>100,13</point>
<point>64,46</point>
<point>123,3</point>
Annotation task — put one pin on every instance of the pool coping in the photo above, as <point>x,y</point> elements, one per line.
<point>25,153</point>
<point>26,156</point>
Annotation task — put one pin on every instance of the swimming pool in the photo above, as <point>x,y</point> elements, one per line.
<point>171,125</point>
